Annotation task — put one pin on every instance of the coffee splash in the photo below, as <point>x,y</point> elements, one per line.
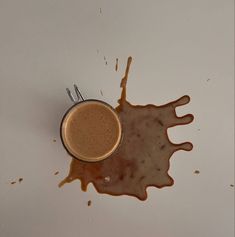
<point>116,65</point>
<point>143,158</point>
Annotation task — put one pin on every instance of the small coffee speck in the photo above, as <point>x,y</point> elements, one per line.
<point>162,147</point>
<point>54,140</point>
<point>89,203</point>
<point>100,10</point>
<point>196,172</point>
<point>116,65</point>
<point>231,185</point>
<point>20,180</point>
<point>106,62</point>
<point>57,172</point>
<point>199,129</point>
<point>13,182</point>
<point>208,79</point>
<point>101,92</point>
<point>97,51</point>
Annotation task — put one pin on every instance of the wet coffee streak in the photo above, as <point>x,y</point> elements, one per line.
<point>116,65</point>
<point>143,158</point>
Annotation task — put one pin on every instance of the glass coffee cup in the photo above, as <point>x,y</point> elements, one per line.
<point>91,129</point>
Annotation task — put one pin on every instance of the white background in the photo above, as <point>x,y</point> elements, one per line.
<point>178,47</point>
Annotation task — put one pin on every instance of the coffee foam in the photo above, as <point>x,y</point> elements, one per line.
<point>91,130</point>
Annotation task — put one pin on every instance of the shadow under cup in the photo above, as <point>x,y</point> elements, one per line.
<point>91,130</point>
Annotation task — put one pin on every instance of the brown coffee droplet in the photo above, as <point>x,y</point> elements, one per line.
<point>105,60</point>
<point>56,173</point>
<point>143,157</point>
<point>54,140</point>
<point>13,182</point>
<point>196,172</point>
<point>89,203</point>
<point>116,65</point>
<point>231,185</point>
<point>20,180</point>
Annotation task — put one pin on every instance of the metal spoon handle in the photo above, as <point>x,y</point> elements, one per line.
<point>78,93</point>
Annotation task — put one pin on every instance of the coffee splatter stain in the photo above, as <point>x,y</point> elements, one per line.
<point>116,65</point>
<point>54,140</point>
<point>56,173</point>
<point>19,180</point>
<point>231,185</point>
<point>89,203</point>
<point>106,62</point>
<point>101,92</point>
<point>196,172</point>
<point>143,157</point>
<point>208,79</point>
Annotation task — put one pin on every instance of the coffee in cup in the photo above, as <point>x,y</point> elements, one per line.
<point>91,130</point>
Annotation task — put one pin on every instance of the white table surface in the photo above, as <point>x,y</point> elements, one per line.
<point>178,47</point>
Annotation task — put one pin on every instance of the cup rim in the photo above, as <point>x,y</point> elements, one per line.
<point>67,112</point>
